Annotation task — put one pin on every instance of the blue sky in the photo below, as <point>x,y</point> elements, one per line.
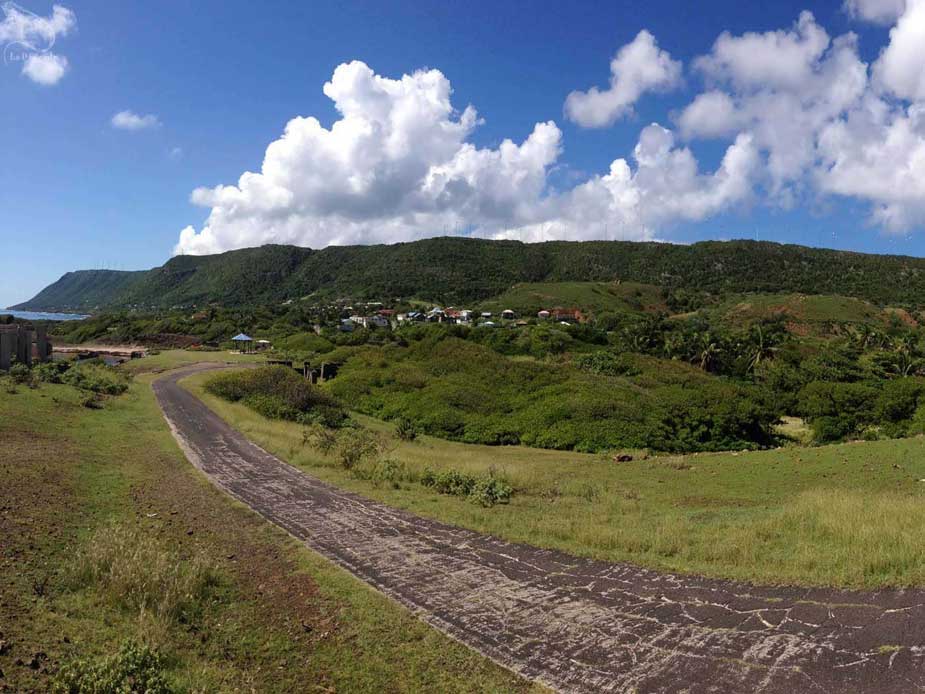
<point>224,78</point>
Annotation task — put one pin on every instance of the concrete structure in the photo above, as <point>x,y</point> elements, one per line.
<point>42,345</point>
<point>16,345</point>
<point>24,347</point>
<point>8,340</point>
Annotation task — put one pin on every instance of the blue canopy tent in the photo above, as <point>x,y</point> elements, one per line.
<point>243,342</point>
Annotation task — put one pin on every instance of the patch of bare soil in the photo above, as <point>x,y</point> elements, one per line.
<point>34,492</point>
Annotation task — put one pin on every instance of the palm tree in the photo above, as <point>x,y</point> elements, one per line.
<point>708,351</point>
<point>761,347</point>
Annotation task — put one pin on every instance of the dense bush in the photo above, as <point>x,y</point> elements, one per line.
<point>460,390</point>
<point>278,392</point>
<point>51,371</point>
<point>96,378</point>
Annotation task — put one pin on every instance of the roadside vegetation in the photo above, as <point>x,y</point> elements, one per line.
<point>844,515</point>
<point>124,570</point>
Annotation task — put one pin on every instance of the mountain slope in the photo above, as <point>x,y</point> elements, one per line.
<point>459,270</point>
<point>82,290</point>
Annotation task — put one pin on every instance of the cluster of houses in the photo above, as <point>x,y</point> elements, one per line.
<point>388,318</point>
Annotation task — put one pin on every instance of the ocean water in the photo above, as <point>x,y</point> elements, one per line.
<point>38,315</point>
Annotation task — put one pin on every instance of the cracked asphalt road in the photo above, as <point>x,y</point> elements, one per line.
<point>576,625</point>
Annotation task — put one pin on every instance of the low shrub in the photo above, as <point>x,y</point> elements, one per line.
<point>135,668</point>
<point>91,400</point>
<point>405,429</point>
<point>20,373</point>
<point>356,446</point>
<point>388,471</point>
<point>97,378</point>
<point>485,490</point>
<point>51,371</point>
<point>320,437</point>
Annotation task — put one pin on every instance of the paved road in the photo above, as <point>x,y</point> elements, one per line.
<point>573,624</point>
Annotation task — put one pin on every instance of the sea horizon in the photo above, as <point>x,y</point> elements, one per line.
<point>43,315</point>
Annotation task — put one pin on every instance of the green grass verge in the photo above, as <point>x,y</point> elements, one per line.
<point>282,618</point>
<point>846,515</point>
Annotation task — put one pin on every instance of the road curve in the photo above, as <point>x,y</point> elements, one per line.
<point>575,625</point>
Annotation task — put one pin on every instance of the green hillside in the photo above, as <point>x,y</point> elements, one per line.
<point>83,290</point>
<point>808,314</point>
<point>461,270</point>
<point>591,297</point>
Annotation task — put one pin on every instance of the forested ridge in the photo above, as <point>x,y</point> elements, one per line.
<point>454,270</point>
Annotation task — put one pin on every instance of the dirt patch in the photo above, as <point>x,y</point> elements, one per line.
<point>34,489</point>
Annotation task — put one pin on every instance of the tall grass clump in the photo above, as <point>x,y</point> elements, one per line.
<point>278,392</point>
<point>135,572</point>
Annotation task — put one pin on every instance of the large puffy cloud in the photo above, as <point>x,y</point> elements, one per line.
<point>638,67</point>
<point>782,87</point>
<point>398,165</point>
<point>826,123</point>
<point>878,154</point>
<point>28,38</point>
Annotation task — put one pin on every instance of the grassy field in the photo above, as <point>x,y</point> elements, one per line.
<point>846,515</point>
<point>175,358</point>
<point>107,534</point>
<point>591,297</point>
<point>809,310</point>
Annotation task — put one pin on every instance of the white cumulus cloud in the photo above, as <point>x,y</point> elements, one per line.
<point>901,66</point>
<point>398,165</point>
<point>824,121</point>
<point>638,67</point>
<point>774,58</point>
<point>876,11</point>
<point>129,120</point>
<point>45,68</point>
